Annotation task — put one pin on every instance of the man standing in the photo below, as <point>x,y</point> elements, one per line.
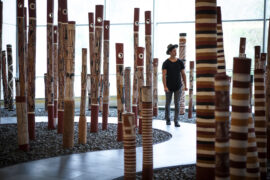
<point>171,78</point>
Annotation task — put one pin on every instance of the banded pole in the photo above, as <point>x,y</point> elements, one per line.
<point>260,120</point>
<point>96,68</point>
<point>129,140</point>
<point>206,67</point>
<point>140,76</point>
<point>100,98</point>
<point>147,134</point>
<point>46,92</point>
<point>268,94</point>
<point>155,87</point>
<point>127,85</point>
<point>191,78</point>
<point>31,78</point>
<point>148,49</point>
<point>135,79</point>
<point>242,47</point>
<point>239,118</point>
<point>55,72</point>
<point>222,117</point>
<point>221,63</point>
<point>82,120</point>
<point>4,77</point>
<point>50,60</point>
<point>119,47</point>
<point>69,104</point>
<point>1,30</point>
<point>106,84</point>
<point>91,54</point>
<point>182,56</point>
<point>10,78</point>
<point>89,90</point>
<point>21,107</point>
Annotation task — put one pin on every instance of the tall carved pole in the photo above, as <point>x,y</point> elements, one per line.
<point>206,59</point>
<point>242,47</point>
<point>46,92</point>
<point>10,77</point>
<point>120,87</point>
<point>91,54</point>
<point>96,70</point>
<point>1,30</point>
<point>89,90</point>
<point>22,121</point>
<point>268,94</point>
<point>222,118</point>
<point>31,78</point>
<point>147,136</point>
<point>100,98</point>
<point>82,120</point>
<point>148,49</point>
<point>239,118</point>
<point>155,87</point>
<point>260,120</point>
<point>55,72</point>
<point>127,85</point>
<point>135,79</point>
<point>129,140</point>
<point>221,64</point>
<point>182,56</point>
<point>25,50</point>
<point>140,76</point>
<point>69,56</point>
<point>191,77</point>
<point>4,76</point>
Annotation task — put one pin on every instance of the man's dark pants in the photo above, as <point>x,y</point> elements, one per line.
<point>177,95</point>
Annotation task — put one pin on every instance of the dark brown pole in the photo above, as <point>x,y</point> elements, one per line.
<point>91,54</point>
<point>182,56</point>
<point>155,87</point>
<point>242,47</point>
<point>10,78</point>
<point>221,63</point>
<point>191,77</point>
<point>1,30</point>
<point>127,84</point>
<point>268,94</point>
<point>100,98</point>
<point>55,72</point>
<point>89,90</point>
<point>4,76</point>
<point>25,50</point>
<point>148,49</point>
<point>46,92</point>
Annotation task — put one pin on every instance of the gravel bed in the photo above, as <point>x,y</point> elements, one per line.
<point>49,144</point>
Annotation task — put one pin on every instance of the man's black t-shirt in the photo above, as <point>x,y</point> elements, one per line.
<point>173,77</point>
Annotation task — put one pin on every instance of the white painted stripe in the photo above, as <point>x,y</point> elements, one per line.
<point>259,108</point>
<point>241,77</point>
<point>31,112</point>
<point>259,83</point>
<point>205,107</point>
<point>205,79</point>
<point>205,165</point>
<point>239,129</point>
<point>238,172</point>
<point>208,50</point>
<point>206,93</point>
<point>205,65</point>
<point>206,152</point>
<point>222,114</point>
<point>259,92</point>
<point>200,120</point>
<point>253,175</point>
<point>206,129</point>
<point>222,83</point>
<point>260,118</point>
<point>240,90</point>
<point>205,139</point>
<point>238,144</point>
<point>238,158</point>
<point>261,140</point>
<point>206,35</point>
<point>259,76</point>
<point>253,144</point>
<point>222,145</point>
<point>236,115</point>
<point>259,99</point>
<point>252,154</point>
<point>239,102</point>
<point>203,4</point>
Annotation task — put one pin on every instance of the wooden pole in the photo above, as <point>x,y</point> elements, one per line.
<point>222,118</point>
<point>22,121</point>
<point>140,76</point>
<point>147,134</point>
<point>182,56</point>
<point>4,76</point>
<point>89,90</point>
<point>100,98</point>
<point>10,78</point>
<point>106,84</point>
<point>25,51</point>
<point>1,30</point>
<point>92,53</point>
<point>119,47</point>
<point>69,56</point>
<point>242,47</point>
<point>31,78</point>
<point>148,49</point>
<point>268,94</point>
<point>55,72</point>
<point>96,70</point>
<point>155,87</point>
<point>135,79</point>
<point>82,120</point>
<point>127,85</point>
<point>46,92</point>
<point>129,141</point>
<point>191,77</point>
<point>221,63</point>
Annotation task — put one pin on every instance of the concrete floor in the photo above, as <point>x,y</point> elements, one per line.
<point>108,164</point>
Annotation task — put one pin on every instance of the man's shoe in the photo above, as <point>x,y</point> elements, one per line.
<point>176,124</point>
<point>168,122</point>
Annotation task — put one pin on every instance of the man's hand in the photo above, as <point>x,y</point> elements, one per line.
<point>166,89</point>
<point>186,89</point>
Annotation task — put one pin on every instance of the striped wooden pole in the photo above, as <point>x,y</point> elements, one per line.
<point>46,92</point>
<point>268,94</point>
<point>119,47</point>
<point>155,87</point>
<point>4,77</point>
<point>82,120</point>
<point>25,50</point>
<point>89,90</point>
<point>96,70</point>
<point>239,118</point>
<point>91,54</point>
<point>140,76</point>
<point>55,73</point>
<point>222,117</point>
<point>31,77</point>
<point>191,77</point>
<point>10,77</point>
<point>69,103</point>
<point>147,135</point>
<point>182,56</point>
<point>135,79</point>
<point>260,119</point>
<point>106,84</point>
<point>100,98</point>
<point>221,63</point>
<point>242,47</point>
<point>148,49</point>
<point>127,85</point>
<point>1,30</point>
<point>206,67</point>
<point>129,140</point>
<point>21,109</point>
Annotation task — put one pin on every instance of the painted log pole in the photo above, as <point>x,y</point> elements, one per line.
<point>50,60</point>
<point>242,47</point>
<point>140,76</point>
<point>25,50</point>
<point>69,103</point>
<point>91,53</point>
<point>89,90</point>
<point>129,140</point>
<point>222,117</point>
<point>191,77</point>
<point>239,118</point>
<point>221,63</point>
<point>148,49</point>
<point>4,77</point>
<point>135,79</point>
<point>147,135</point>
<point>82,119</point>
<point>1,30</point>
<point>182,56</point>
<point>127,86</point>
<point>10,78</point>
<point>46,92</point>
<point>260,119</point>
<point>119,47</point>
<point>96,68</point>
<point>155,87</point>
<point>31,78</point>
<point>106,84</point>
<point>21,107</point>
<point>268,94</point>
<point>55,72</point>
<point>100,98</point>
<point>206,67</point>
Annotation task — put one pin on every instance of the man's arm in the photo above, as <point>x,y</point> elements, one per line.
<point>164,72</point>
<point>184,78</point>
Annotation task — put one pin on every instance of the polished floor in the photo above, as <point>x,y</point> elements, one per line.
<point>108,164</point>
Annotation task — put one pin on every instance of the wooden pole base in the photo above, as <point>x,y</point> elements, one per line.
<point>51,122</point>
<point>140,125</point>
<point>155,111</point>
<point>119,131</point>
<point>94,118</point>
<point>82,130</point>
<point>105,116</point>
<point>60,121</point>
<point>68,128</point>
<point>190,114</point>
<point>203,173</point>
<point>55,110</point>
<point>31,125</point>
<point>147,173</point>
<point>268,143</point>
